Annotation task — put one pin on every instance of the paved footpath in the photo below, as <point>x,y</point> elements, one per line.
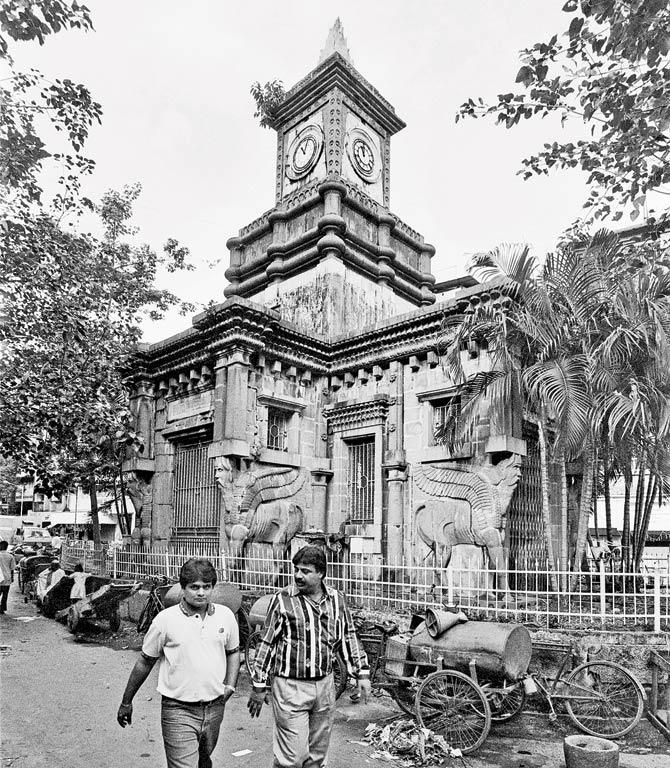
<point>59,699</point>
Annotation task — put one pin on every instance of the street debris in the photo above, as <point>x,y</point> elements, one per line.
<point>405,743</point>
<point>241,752</point>
<point>26,618</point>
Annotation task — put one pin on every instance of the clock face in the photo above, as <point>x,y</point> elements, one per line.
<point>304,152</point>
<point>364,155</point>
<point>364,159</point>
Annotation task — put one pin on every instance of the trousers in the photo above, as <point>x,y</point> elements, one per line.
<point>4,591</point>
<point>303,714</point>
<point>190,732</point>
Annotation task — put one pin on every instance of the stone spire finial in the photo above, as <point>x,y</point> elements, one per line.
<point>335,42</point>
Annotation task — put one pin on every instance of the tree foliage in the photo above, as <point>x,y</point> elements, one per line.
<point>72,303</point>
<point>585,338</point>
<point>268,97</point>
<point>609,71</point>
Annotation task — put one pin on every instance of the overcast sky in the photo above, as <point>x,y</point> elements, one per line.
<point>174,77</point>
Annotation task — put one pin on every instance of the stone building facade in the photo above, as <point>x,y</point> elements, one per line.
<point>306,403</point>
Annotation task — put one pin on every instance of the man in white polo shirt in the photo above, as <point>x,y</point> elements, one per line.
<point>197,643</point>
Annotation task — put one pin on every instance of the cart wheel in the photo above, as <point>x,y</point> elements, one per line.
<point>604,699</point>
<point>73,618</point>
<point>340,675</point>
<point>244,628</point>
<point>115,621</point>
<point>505,699</point>
<point>250,650</point>
<point>404,695</point>
<point>455,707</point>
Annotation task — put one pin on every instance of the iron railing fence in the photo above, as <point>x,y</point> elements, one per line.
<point>602,598</point>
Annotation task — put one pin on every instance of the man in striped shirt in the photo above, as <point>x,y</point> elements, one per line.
<point>304,623</point>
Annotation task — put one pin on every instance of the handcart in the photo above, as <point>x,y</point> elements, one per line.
<point>102,604</point>
<point>28,569</point>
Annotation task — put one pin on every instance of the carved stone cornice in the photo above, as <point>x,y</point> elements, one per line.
<point>337,72</point>
<point>240,322</point>
<point>353,415</point>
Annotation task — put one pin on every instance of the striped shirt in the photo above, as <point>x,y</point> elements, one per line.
<point>299,636</point>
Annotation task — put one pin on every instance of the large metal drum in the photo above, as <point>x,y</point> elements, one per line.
<point>500,650</point>
<point>259,610</point>
<point>223,593</point>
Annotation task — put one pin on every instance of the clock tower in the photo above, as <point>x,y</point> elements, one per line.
<point>330,256</point>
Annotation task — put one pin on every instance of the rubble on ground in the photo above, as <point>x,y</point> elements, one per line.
<point>406,743</point>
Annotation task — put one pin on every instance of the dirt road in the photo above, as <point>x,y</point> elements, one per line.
<point>60,696</point>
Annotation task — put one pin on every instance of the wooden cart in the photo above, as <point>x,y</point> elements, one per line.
<point>101,604</point>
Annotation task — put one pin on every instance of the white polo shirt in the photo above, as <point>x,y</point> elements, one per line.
<point>192,652</point>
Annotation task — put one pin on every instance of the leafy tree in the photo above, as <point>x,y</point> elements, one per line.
<point>584,337</point>
<point>610,72</point>
<point>42,120</point>
<point>72,303</point>
<point>268,97</point>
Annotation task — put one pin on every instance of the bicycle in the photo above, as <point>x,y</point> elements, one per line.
<point>154,604</point>
<point>601,697</point>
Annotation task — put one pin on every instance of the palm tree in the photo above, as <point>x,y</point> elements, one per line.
<point>568,334</point>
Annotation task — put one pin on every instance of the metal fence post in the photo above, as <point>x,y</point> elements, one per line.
<point>657,600</point>
<point>603,607</point>
<point>114,552</point>
<point>167,563</point>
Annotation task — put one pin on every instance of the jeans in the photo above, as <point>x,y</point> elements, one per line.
<point>190,732</point>
<point>4,591</point>
<point>304,712</point>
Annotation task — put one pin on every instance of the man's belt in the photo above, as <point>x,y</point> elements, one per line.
<point>201,703</point>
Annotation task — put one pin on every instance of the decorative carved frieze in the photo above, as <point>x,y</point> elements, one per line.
<point>353,415</point>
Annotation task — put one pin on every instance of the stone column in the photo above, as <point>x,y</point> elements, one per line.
<point>395,465</point>
<point>320,480</point>
<point>161,512</point>
<point>396,477</point>
<point>142,408</point>
<point>235,442</point>
<point>219,400</point>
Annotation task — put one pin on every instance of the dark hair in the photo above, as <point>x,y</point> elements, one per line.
<point>79,568</point>
<point>197,569</point>
<point>314,556</point>
<point>3,545</point>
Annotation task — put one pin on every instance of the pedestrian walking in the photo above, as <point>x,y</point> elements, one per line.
<point>197,643</point>
<point>303,625</point>
<point>7,566</point>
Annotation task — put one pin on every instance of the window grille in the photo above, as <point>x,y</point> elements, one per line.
<point>278,429</point>
<point>195,497</point>
<point>361,480</point>
<point>448,422</point>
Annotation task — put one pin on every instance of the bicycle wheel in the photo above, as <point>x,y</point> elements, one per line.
<point>148,614</point>
<point>340,675</point>
<point>404,695</point>
<point>455,707</point>
<point>243,627</point>
<point>605,699</point>
<point>250,650</point>
<point>505,699</point>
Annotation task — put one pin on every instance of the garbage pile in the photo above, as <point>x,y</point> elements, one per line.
<point>407,744</point>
